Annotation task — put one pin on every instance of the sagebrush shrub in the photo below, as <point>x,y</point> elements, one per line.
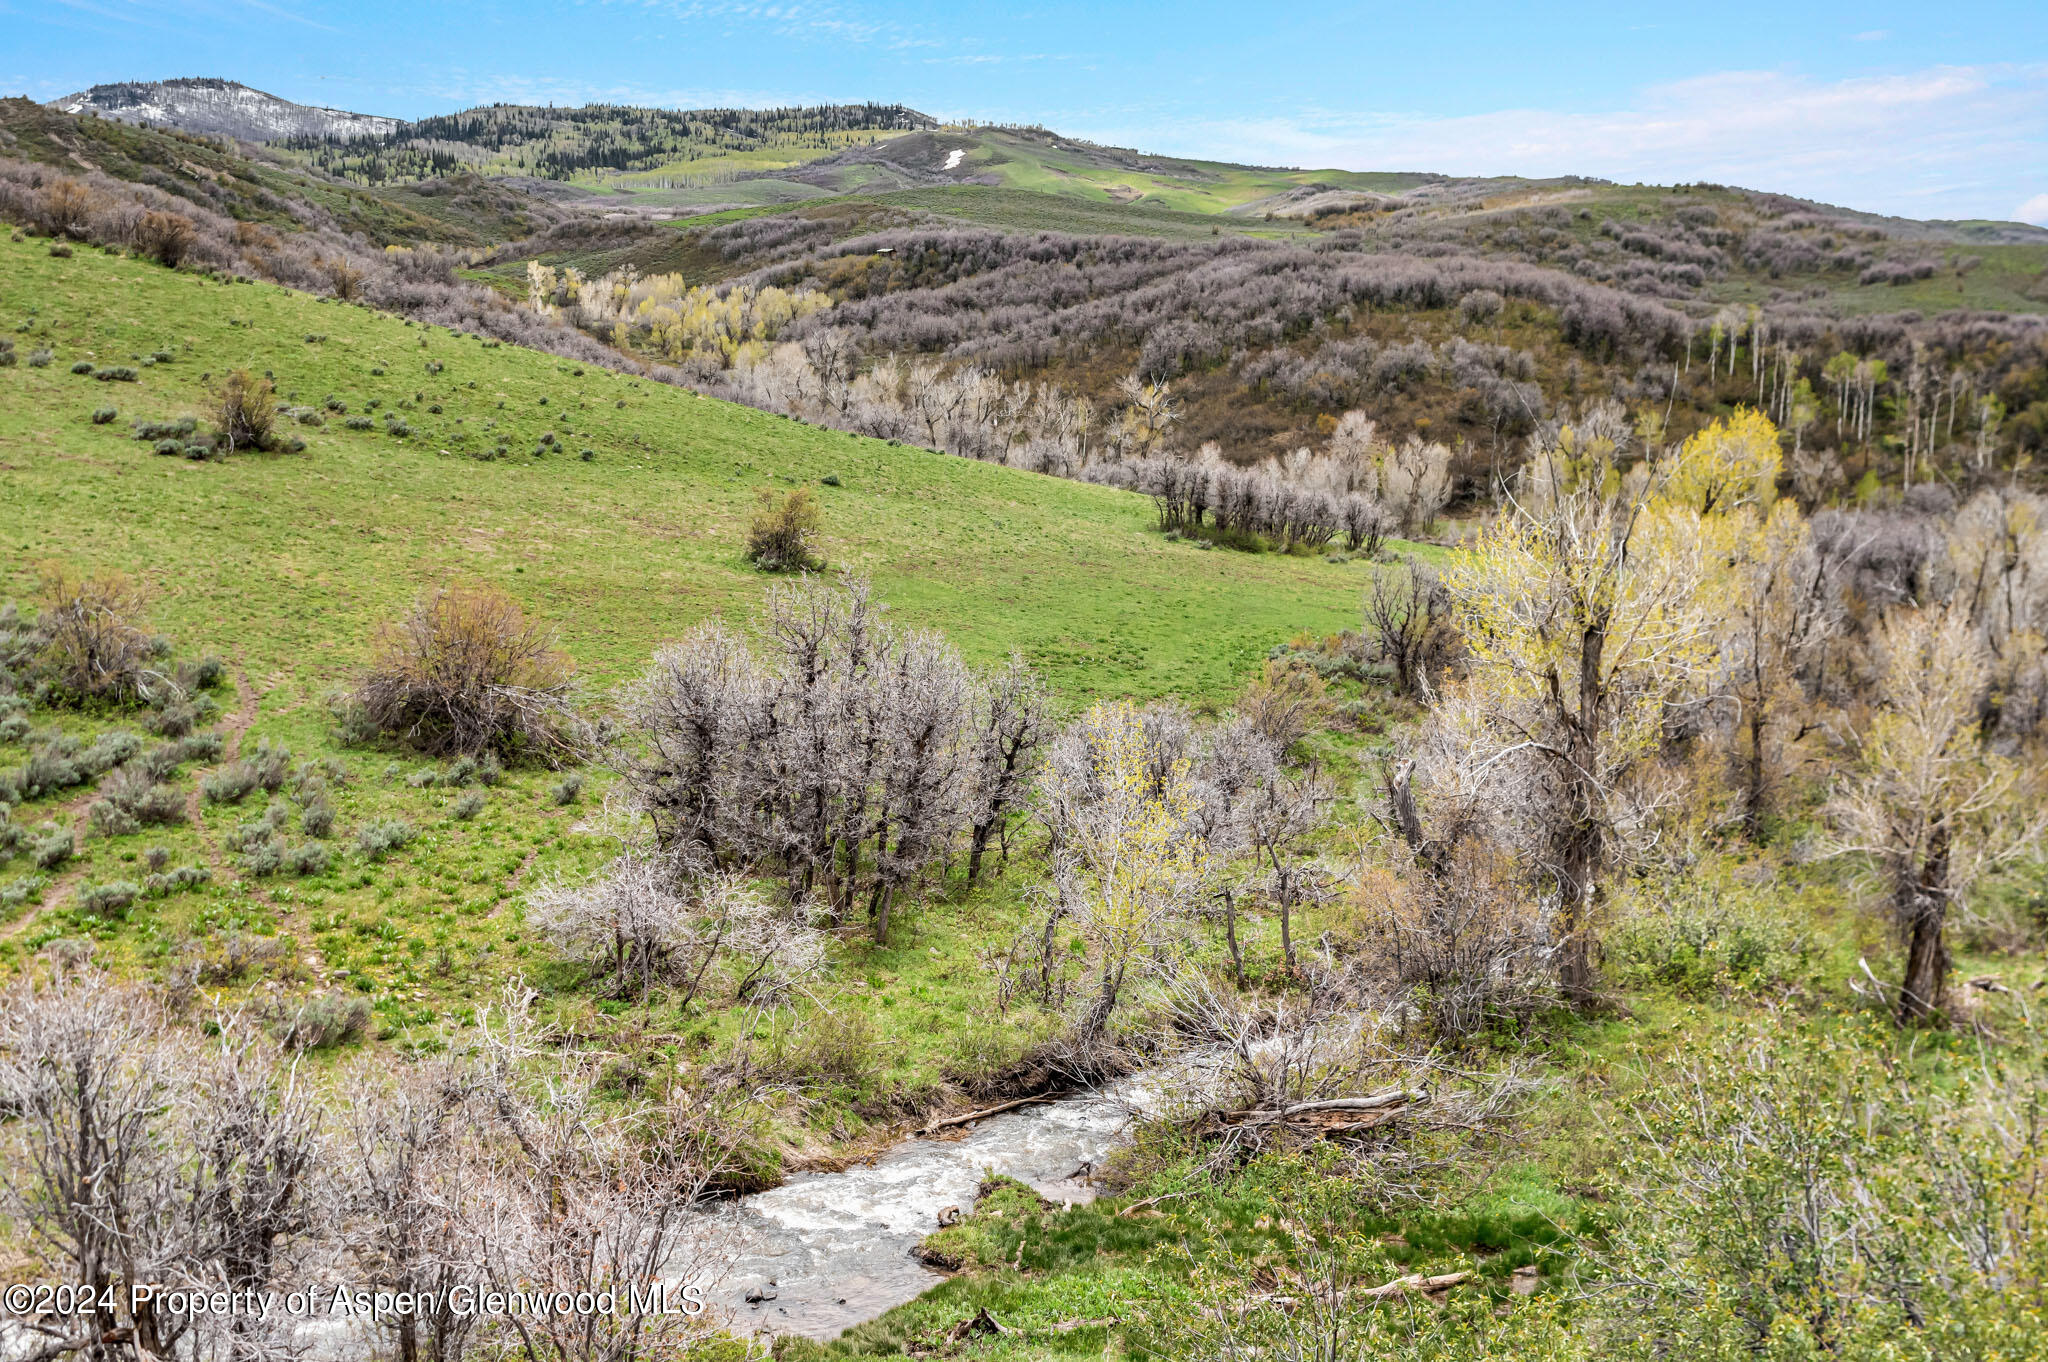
<point>20,890</point>
<point>109,750</point>
<point>308,858</point>
<point>112,899</point>
<point>108,819</point>
<point>272,765</point>
<point>51,847</point>
<point>231,784</point>
<point>262,859</point>
<point>317,818</point>
<point>783,531</point>
<point>48,769</point>
<point>466,673</point>
<point>169,882</point>
<point>379,839</point>
<point>166,430</point>
<point>245,411</point>
<point>323,1020</point>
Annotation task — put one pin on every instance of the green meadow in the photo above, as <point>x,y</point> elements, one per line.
<point>291,561</point>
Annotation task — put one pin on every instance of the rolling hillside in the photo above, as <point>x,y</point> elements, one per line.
<point>304,555</point>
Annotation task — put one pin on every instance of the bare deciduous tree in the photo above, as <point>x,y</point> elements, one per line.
<point>1408,626</point>
<point>137,1156</point>
<point>1012,716</point>
<point>408,1184</point>
<point>1929,802</point>
<point>850,760</point>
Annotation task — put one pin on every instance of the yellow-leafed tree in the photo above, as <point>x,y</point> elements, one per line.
<point>1588,609</point>
<point>1130,855</point>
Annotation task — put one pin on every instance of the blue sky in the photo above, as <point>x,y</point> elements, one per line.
<point>1923,110</point>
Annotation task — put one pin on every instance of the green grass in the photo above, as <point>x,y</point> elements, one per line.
<point>293,560</point>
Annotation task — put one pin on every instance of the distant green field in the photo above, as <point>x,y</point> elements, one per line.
<point>1021,210</point>
<point>1111,175</point>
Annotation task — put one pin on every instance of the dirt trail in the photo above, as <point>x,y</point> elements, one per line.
<point>72,811</point>
<point>234,727</point>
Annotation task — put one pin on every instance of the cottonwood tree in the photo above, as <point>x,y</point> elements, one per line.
<point>1784,611</point>
<point>1586,610</point>
<point>1129,858</point>
<point>1928,801</point>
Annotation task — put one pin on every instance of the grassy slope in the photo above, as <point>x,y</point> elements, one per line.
<point>1025,210</point>
<point>297,558</point>
<point>285,565</point>
<point>1048,165</point>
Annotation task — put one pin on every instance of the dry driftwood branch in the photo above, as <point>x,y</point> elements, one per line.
<point>1415,1281</point>
<point>995,1110</point>
<point>1385,1100</point>
<point>1137,1206</point>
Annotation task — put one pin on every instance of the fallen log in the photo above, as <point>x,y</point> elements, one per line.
<point>1374,1102</point>
<point>996,1110</point>
<point>1415,1281</point>
<point>1392,1097</point>
<point>1137,1206</point>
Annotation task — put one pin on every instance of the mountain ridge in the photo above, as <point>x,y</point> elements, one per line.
<point>216,107</point>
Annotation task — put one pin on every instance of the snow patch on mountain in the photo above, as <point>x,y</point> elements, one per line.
<point>220,108</point>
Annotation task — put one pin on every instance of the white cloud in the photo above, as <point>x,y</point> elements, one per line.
<point>2034,210</point>
<point>1951,141</point>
